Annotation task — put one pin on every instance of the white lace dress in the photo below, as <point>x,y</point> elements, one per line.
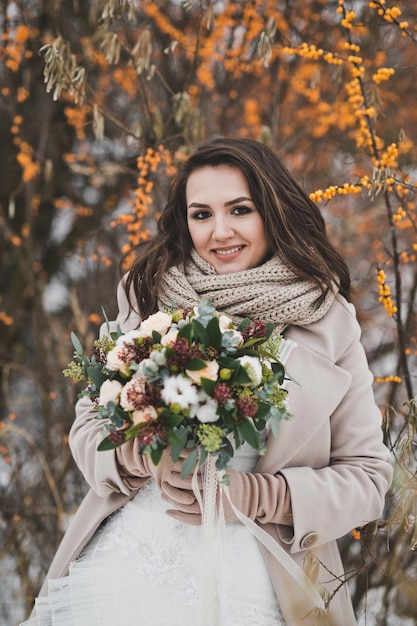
<point>142,568</point>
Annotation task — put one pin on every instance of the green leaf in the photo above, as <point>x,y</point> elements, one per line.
<point>196,364</point>
<point>96,375</point>
<point>242,376</point>
<point>171,420</point>
<point>248,431</point>
<point>178,441</point>
<point>200,333</point>
<point>189,463</point>
<point>274,423</point>
<point>279,372</point>
<point>106,444</point>
<point>76,343</point>
<point>156,454</point>
<point>214,334</point>
<point>208,386</point>
<point>263,410</point>
<point>106,319</point>
<point>186,332</point>
<point>132,431</point>
<point>156,337</point>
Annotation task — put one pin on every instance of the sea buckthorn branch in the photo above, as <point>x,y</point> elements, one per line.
<point>392,15</point>
<point>400,324</point>
<point>382,182</point>
<point>356,88</point>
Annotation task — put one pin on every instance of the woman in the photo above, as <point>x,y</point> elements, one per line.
<point>239,230</point>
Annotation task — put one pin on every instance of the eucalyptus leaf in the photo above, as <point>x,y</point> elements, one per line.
<point>189,463</point>
<point>106,319</point>
<point>96,375</point>
<point>274,423</point>
<point>76,343</point>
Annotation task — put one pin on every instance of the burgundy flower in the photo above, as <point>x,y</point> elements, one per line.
<point>246,407</point>
<point>222,393</point>
<point>152,432</point>
<point>256,330</point>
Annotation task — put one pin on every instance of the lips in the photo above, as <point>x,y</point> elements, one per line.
<point>228,251</point>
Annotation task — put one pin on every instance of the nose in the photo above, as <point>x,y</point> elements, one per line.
<point>222,229</point>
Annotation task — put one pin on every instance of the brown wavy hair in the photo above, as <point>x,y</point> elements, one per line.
<point>294,225</point>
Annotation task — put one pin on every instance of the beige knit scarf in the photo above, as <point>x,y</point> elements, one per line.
<point>270,292</point>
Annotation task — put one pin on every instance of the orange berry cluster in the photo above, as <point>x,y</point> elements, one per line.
<point>384,291</point>
<point>320,195</point>
<point>388,379</point>
<point>13,52</point>
<point>30,167</point>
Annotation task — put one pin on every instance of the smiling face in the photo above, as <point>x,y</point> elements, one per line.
<point>225,227</point>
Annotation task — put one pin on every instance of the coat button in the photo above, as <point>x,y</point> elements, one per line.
<point>309,540</point>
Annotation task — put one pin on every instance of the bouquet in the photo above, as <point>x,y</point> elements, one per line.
<point>186,379</point>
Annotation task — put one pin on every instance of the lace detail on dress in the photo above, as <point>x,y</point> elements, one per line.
<point>143,567</point>
<point>159,553</point>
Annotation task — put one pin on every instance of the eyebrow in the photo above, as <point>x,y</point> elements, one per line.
<point>229,203</point>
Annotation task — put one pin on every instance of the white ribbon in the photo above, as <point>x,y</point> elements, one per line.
<point>213,605</point>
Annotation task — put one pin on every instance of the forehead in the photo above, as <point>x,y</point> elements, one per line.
<point>221,181</point>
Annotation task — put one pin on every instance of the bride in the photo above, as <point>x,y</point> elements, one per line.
<point>237,229</point>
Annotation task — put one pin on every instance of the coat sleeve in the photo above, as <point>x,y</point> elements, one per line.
<point>334,469</point>
<point>113,471</point>
<point>328,502</point>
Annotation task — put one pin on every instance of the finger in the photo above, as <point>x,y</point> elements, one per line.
<point>176,480</point>
<point>183,496</point>
<point>193,520</point>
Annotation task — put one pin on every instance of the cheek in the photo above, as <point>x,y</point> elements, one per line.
<point>259,233</point>
<point>195,233</point>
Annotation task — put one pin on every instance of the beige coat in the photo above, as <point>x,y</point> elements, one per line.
<point>330,453</point>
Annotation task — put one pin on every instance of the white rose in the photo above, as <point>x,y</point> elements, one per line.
<point>170,337</point>
<point>128,338</point>
<point>253,368</point>
<point>110,391</point>
<point>146,414</point>
<point>114,361</point>
<point>159,322</point>
<point>225,323</point>
<point>210,371</point>
<point>132,394</point>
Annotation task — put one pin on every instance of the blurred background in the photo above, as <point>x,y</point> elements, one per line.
<point>99,103</point>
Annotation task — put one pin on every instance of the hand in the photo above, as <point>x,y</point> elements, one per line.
<point>176,490</point>
<point>264,497</point>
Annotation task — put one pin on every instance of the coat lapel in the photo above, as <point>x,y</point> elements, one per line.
<point>321,387</point>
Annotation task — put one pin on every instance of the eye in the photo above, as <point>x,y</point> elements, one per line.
<point>200,215</point>
<point>241,210</point>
